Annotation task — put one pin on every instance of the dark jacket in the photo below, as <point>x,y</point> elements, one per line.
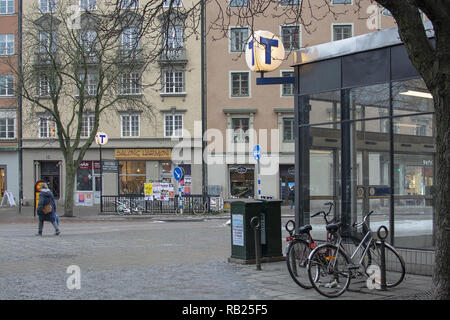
<point>291,195</point>
<point>46,197</point>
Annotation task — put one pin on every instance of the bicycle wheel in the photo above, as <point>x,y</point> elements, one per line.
<point>297,253</point>
<point>328,270</point>
<point>395,265</point>
<point>198,208</point>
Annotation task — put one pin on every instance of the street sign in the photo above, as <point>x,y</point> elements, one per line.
<point>257,152</point>
<point>101,138</point>
<point>178,173</point>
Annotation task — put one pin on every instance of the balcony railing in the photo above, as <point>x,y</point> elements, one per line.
<point>174,55</point>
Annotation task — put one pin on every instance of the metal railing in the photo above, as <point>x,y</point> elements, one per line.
<point>111,203</point>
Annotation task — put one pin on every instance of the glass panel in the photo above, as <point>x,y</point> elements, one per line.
<point>242,181</point>
<point>325,107</point>
<point>413,178</point>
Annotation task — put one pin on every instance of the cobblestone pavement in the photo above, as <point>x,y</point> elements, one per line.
<point>148,259</point>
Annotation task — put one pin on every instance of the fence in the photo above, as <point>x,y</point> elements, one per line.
<point>111,203</point>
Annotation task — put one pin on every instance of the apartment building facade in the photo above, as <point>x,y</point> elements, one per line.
<point>9,101</point>
<point>247,114</point>
<point>143,144</point>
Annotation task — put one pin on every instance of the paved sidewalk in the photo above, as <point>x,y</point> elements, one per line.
<point>152,260</point>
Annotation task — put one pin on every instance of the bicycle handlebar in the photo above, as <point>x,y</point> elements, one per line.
<point>363,221</point>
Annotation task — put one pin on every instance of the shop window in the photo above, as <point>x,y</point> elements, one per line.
<point>242,181</point>
<point>132,176</point>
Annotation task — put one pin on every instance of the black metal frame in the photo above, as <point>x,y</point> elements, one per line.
<point>378,66</point>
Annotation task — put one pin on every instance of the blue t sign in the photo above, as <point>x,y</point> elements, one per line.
<point>178,173</point>
<point>268,43</point>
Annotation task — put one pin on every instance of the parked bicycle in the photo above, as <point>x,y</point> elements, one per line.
<point>300,246</point>
<point>123,208</point>
<point>331,266</point>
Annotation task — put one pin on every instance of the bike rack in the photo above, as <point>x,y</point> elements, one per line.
<point>256,225</point>
<point>382,234</point>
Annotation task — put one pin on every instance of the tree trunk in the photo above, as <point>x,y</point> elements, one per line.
<point>441,274</point>
<point>69,188</point>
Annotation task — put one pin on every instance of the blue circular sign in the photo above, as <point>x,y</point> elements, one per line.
<point>178,173</point>
<point>257,152</point>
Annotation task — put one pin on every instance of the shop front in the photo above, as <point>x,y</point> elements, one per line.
<point>242,181</point>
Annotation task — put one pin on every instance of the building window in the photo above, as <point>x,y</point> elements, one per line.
<point>47,128</point>
<point>6,86</point>
<point>287,89</point>
<point>132,176</point>
<point>342,31</point>
<point>7,124</point>
<point>386,12</point>
<point>240,128</point>
<point>87,5</point>
<point>173,125</point>
<point>174,37</point>
<point>240,84</point>
<point>174,82</point>
<point>289,2</point>
<point>288,129</point>
<point>90,84</point>
<point>43,86</point>
<point>130,84</point>
<point>87,42</point>
<point>130,39</point>
<point>87,125</point>
<point>6,6</point>
<point>130,125</point>
<point>47,6</point>
<point>238,3</point>
<point>129,4</point>
<point>238,39</point>
<point>47,42</point>
<point>175,3</point>
<point>290,35</point>
<point>6,44</point>
<point>342,1</point>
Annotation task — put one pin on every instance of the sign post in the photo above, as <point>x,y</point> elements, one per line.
<point>101,138</point>
<point>257,157</point>
<point>178,174</point>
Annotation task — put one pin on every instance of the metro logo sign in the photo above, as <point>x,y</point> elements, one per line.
<point>264,52</point>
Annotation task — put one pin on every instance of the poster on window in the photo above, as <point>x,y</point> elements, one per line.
<point>84,199</point>
<point>156,191</point>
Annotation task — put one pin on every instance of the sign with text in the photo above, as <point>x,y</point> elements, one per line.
<point>143,154</point>
<point>264,51</point>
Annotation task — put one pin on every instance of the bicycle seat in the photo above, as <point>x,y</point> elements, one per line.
<point>333,227</point>
<point>305,229</point>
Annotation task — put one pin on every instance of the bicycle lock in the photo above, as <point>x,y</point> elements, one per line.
<point>256,225</point>
<point>382,234</point>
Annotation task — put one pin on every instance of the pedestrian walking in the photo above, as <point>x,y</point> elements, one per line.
<point>46,209</point>
<point>291,196</point>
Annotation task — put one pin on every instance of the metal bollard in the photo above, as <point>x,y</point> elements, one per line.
<point>255,223</point>
<point>383,256</point>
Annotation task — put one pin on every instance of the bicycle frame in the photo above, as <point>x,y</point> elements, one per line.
<point>367,235</point>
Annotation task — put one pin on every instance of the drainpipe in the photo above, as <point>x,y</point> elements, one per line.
<point>19,102</point>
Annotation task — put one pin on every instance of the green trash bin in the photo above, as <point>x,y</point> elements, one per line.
<point>271,230</point>
<point>242,234</point>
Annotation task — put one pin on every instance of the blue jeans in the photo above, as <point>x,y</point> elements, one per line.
<point>292,204</point>
<point>41,225</point>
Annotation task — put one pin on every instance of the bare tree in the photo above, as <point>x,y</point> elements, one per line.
<point>89,57</point>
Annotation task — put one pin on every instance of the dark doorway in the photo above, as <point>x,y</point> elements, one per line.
<point>50,174</point>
